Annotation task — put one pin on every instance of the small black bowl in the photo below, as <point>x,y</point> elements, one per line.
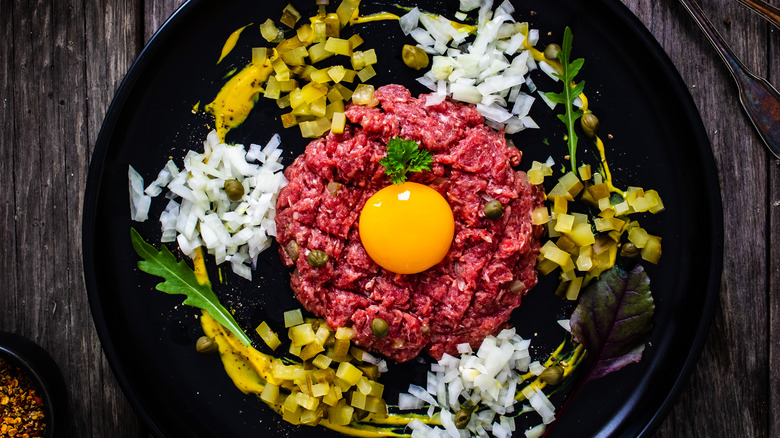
<point>45,375</point>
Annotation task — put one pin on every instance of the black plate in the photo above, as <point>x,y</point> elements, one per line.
<point>657,142</point>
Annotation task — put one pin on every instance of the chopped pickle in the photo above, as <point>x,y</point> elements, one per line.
<point>573,291</point>
<point>269,30</point>
<point>638,237</point>
<point>322,361</point>
<point>340,348</point>
<point>564,223</point>
<point>376,405</point>
<point>318,53</point>
<point>555,254</point>
<point>290,16</point>
<point>571,183</point>
<point>652,250</point>
<point>301,335</point>
<point>346,10</point>
<point>367,73</point>
<point>540,216</point>
<point>269,337</point>
<point>585,172</point>
<point>338,123</point>
<point>582,234</point>
<point>349,373</point>
<point>560,190</point>
<point>560,205</point>
<point>338,46</point>
<point>270,393</point>
<point>364,95</point>
<point>657,205</point>
<point>341,414</point>
<point>358,400</point>
<point>292,318</point>
<point>355,40</point>
<point>259,55</point>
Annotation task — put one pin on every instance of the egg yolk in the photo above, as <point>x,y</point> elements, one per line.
<point>406,228</point>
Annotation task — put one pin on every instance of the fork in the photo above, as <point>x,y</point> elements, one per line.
<point>759,98</point>
<point>765,10</point>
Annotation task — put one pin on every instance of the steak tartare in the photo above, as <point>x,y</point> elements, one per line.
<point>489,267</point>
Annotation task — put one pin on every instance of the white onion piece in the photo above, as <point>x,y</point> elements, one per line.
<point>422,37</point>
<point>410,20</point>
<point>422,394</point>
<point>536,431</point>
<point>549,70</point>
<point>408,402</point>
<point>469,5</point>
<point>139,202</point>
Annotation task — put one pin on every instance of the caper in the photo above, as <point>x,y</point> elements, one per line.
<point>206,345</point>
<point>551,51</point>
<point>463,416</point>
<point>493,210</point>
<point>629,250</point>
<point>292,250</point>
<point>317,258</point>
<point>379,327</point>
<point>333,188</point>
<point>590,124</point>
<point>414,57</point>
<point>552,375</point>
<point>517,287</point>
<point>234,189</point>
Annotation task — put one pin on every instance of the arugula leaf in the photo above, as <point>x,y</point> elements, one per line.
<point>613,319</point>
<point>181,279</point>
<point>570,92</point>
<point>405,156</point>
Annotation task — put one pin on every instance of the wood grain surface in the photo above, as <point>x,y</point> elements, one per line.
<point>62,61</point>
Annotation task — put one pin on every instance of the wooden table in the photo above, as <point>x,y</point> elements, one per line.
<point>63,60</point>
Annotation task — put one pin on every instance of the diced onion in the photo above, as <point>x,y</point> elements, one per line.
<point>139,202</point>
<point>231,231</point>
<point>481,72</point>
<point>488,378</point>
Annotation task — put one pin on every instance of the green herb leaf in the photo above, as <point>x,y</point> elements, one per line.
<point>570,92</point>
<point>181,279</point>
<point>405,156</point>
<point>613,319</point>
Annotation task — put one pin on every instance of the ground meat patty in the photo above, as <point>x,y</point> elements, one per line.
<point>486,272</point>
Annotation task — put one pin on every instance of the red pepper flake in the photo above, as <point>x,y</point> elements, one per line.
<point>21,408</point>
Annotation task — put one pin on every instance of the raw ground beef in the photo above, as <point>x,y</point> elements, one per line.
<point>462,299</point>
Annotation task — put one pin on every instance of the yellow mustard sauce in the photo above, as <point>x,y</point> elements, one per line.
<point>199,266</point>
<point>380,16</point>
<point>230,43</point>
<point>238,96</point>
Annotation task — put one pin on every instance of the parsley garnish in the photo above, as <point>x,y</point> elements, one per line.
<point>405,156</point>
<point>569,93</point>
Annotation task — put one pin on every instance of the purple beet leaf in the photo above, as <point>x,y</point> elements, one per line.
<point>613,319</point>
